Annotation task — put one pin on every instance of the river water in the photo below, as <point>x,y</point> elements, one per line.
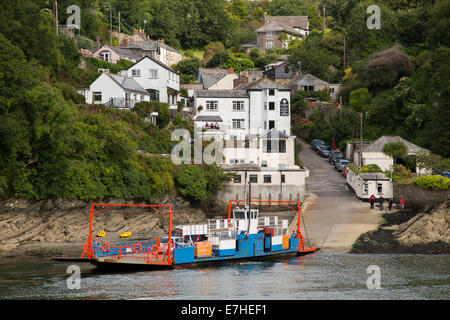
<point>323,275</point>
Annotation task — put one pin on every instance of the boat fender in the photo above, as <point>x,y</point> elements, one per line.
<point>137,248</point>
<point>105,247</point>
<point>154,249</point>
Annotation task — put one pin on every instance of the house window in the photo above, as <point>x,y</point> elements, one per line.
<point>237,179</point>
<point>331,90</point>
<point>274,146</point>
<point>106,56</point>
<point>153,73</point>
<point>238,123</point>
<point>271,124</point>
<point>308,88</point>
<point>253,178</point>
<point>366,188</point>
<point>267,178</point>
<point>380,188</point>
<point>97,96</point>
<point>283,178</point>
<point>269,33</point>
<point>211,105</point>
<point>264,164</point>
<point>135,72</point>
<point>269,44</point>
<point>238,105</point>
<point>154,94</point>
<point>271,105</point>
<point>271,92</point>
<point>247,143</point>
<point>284,108</point>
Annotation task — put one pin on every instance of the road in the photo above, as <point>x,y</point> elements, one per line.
<point>333,217</point>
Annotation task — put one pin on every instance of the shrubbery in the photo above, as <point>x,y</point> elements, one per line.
<point>433,182</point>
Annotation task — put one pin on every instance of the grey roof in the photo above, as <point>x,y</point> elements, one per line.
<point>211,79</point>
<point>156,61</point>
<point>220,94</point>
<point>377,145</point>
<point>127,83</point>
<point>274,133</point>
<point>262,84</point>
<point>374,176</point>
<point>150,45</point>
<point>250,45</point>
<point>307,79</point>
<point>293,21</point>
<point>123,52</point>
<point>276,26</point>
<point>214,118</point>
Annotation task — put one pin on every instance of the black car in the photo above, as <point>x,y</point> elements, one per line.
<point>334,156</point>
<point>323,151</point>
<point>315,143</point>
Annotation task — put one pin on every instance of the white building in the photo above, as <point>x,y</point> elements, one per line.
<point>373,153</point>
<point>257,108</point>
<point>161,81</point>
<point>364,185</point>
<point>115,91</point>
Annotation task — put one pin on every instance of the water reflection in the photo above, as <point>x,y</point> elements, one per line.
<point>323,275</point>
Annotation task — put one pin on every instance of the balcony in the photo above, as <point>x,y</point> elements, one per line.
<point>121,103</point>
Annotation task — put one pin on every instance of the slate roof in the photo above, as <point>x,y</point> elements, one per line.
<point>250,45</point>
<point>220,94</point>
<point>294,21</point>
<point>123,52</point>
<point>275,26</point>
<point>156,61</point>
<point>262,84</point>
<point>211,79</point>
<point>377,145</point>
<point>274,133</point>
<point>127,83</point>
<point>150,45</point>
<point>373,176</point>
<point>213,118</point>
<point>307,79</point>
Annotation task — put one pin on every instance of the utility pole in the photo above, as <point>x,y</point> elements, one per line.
<point>324,17</point>
<point>344,51</point>
<point>56,20</point>
<point>120,40</point>
<point>361,145</point>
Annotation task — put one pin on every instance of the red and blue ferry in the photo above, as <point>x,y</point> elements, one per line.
<point>243,235</point>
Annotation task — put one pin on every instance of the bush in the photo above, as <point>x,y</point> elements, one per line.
<point>433,182</point>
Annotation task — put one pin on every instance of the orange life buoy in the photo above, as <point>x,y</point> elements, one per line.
<point>137,248</point>
<point>105,247</point>
<point>155,249</point>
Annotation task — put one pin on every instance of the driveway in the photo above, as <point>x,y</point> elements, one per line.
<point>333,218</point>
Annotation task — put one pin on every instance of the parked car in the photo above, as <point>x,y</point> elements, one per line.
<point>341,164</point>
<point>315,143</point>
<point>334,156</point>
<point>323,151</point>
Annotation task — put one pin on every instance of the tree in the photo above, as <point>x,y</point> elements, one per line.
<point>315,20</point>
<point>395,150</point>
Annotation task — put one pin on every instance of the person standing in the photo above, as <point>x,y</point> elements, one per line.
<point>381,203</point>
<point>391,202</point>
<point>372,201</point>
<point>402,202</point>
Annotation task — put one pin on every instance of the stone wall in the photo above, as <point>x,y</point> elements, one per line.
<point>418,198</point>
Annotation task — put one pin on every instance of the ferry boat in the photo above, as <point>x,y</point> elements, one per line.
<point>243,235</point>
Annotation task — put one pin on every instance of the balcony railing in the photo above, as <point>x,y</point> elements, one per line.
<point>121,103</point>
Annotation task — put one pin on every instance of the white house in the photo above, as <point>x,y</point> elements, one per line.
<point>161,81</point>
<point>364,185</point>
<point>373,152</point>
<point>115,91</point>
<point>257,108</point>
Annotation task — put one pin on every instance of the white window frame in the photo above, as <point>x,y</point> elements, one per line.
<point>379,186</point>
<point>153,73</point>
<point>238,123</point>
<point>238,105</point>
<point>135,72</point>
<point>212,105</point>
<point>269,44</point>
<point>95,96</point>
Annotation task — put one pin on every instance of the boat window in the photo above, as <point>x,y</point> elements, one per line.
<point>239,214</point>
